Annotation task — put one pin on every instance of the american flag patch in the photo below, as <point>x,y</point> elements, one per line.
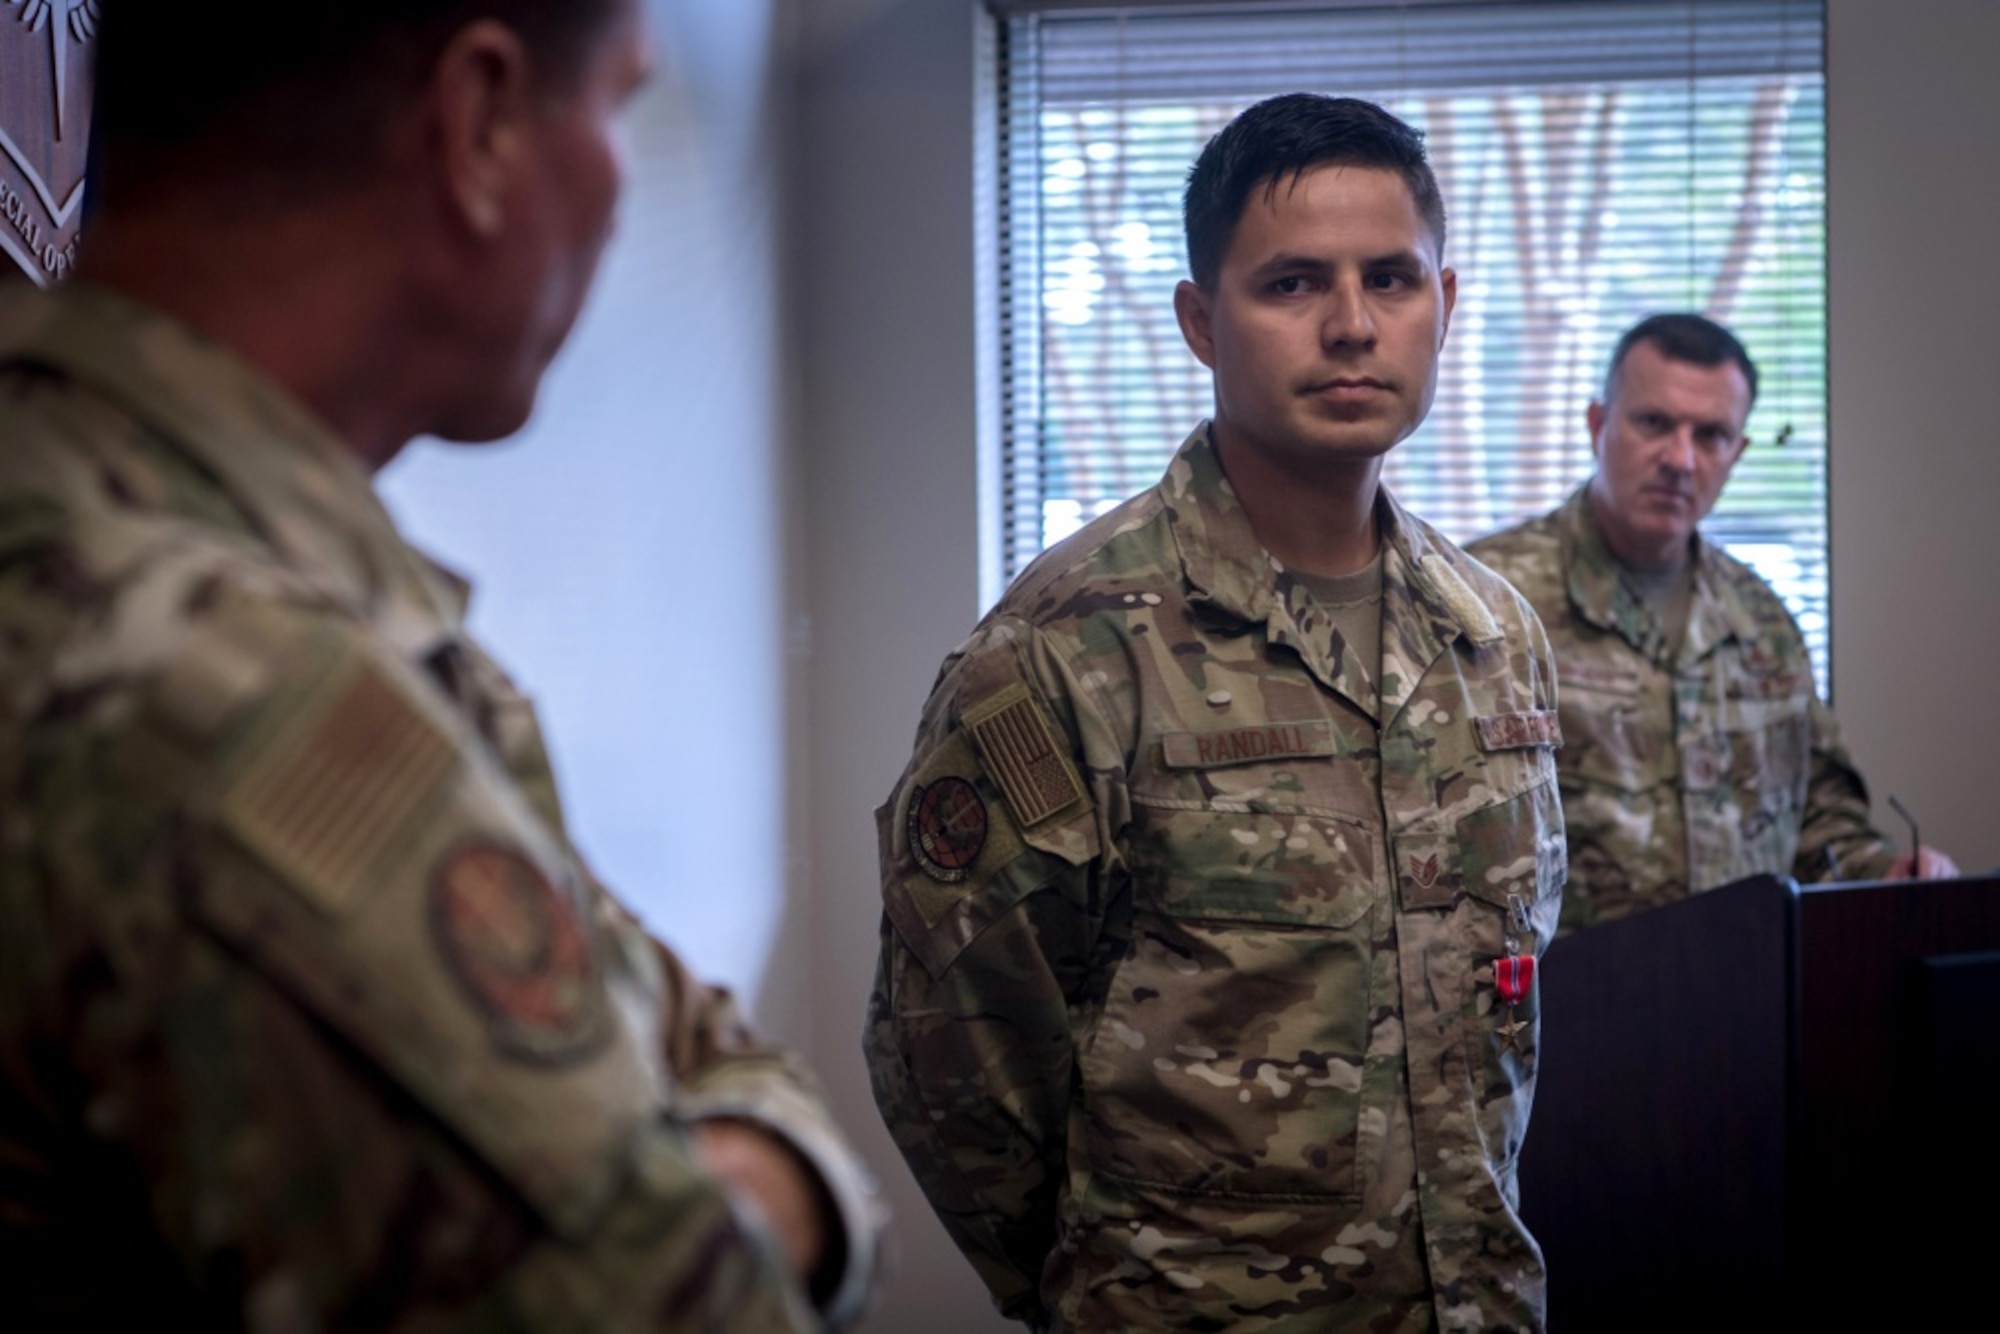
<point>327,786</point>
<point>1019,750</point>
<point>1518,731</point>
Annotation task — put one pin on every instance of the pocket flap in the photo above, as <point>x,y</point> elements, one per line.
<point>361,851</point>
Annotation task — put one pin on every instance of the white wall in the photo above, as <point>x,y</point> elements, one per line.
<point>1914,299</point>
<point>629,546</point>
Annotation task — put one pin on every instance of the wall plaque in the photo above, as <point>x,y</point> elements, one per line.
<point>45,64</point>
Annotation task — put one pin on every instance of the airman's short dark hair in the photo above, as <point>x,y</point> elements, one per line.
<point>1281,139</point>
<point>299,89</point>
<point>1683,336</point>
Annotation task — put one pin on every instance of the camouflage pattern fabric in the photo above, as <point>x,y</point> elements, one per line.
<point>1681,774</point>
<point>1185,1015</point>
<point>310,1017</point>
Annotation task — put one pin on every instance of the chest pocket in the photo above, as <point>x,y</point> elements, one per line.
<point>1747,784</point>
<point>1515,861</point>
<point>1496,835</point>
<point>1227,1060</point>
<point>1770,740</point>
<point>360,853</point>
<point>1617,729</point>
<point>1498,876</point>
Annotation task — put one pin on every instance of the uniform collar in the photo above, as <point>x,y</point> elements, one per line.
<point>1426,604</point>
<point>301,488</point>
<point>1603,596</point>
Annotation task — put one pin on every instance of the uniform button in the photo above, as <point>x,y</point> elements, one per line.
<point>1218,698</point>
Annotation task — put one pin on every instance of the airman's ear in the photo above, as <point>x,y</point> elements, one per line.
<point>1191,308</point>
<point>482,87</point>
<point>1448,280</point>
<point>1594,418</point>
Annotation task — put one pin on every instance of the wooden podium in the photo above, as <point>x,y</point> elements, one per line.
<point>1771,1103</point>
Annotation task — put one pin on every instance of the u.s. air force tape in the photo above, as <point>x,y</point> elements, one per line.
<point>1519,731</point>
<point>1018,747</point>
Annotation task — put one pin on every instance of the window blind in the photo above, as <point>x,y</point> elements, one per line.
<point>1600,161</point>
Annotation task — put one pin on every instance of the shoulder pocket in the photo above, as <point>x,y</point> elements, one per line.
<point>355,846</point>
<point>954,860</point>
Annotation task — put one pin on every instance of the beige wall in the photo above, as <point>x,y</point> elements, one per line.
<point>882,214</point>
<point>882,301</point>
<point>1914,296</point>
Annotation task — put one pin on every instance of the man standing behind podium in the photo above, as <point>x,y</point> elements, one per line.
<point>1696,750</point>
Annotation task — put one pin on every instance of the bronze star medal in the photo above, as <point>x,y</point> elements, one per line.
<point>1513,978</point>
<point>1514,975</point>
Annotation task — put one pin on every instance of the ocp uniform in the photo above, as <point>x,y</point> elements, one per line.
<point>361,1034</point>
<point>1256,930</point>
<point>1685,767</point>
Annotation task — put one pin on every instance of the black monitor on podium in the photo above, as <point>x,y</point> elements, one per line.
<point>1771,1102</point>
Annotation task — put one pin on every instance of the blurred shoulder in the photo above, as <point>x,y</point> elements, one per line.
<point>1528,556</point>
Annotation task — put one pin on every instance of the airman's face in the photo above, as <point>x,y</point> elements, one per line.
<point>558,220</point>
<point>1665,441</point>
<point>1326,317</point>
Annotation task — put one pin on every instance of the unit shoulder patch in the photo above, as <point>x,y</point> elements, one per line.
<point>947,828</point>
<point>519,951</point>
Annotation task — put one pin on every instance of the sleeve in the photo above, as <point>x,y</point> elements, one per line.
<point>1836,839</point>
<point>993,884</point>
<point>724,1070</point>
<point>719,1065</point>
<point>329,1016</point>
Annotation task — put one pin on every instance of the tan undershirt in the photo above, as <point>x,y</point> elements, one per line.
<point>1354,603</point>
<point>1670,593</point>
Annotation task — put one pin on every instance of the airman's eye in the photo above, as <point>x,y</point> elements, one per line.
<point>1290,285</point>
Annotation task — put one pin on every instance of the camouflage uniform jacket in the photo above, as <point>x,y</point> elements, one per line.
<point>1680,774</point>
<point>310,1017</point>
<point>1186,1015</point>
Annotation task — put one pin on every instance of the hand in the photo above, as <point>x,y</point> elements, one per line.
<point>766,1177</point>
<point>1929,865</point>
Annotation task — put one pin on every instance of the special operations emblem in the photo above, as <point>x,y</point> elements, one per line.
<point>518,951</point>
<point>947,828</point>
<point>44,131</point>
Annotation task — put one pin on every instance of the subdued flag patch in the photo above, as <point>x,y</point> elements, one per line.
<point>329,785</point>
<point>1018,747</point>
